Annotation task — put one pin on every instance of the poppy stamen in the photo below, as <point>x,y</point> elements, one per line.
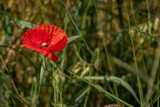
<point>44,44</point>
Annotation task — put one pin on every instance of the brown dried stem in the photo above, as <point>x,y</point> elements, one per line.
<point>10,77</point>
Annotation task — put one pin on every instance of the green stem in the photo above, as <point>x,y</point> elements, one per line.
<point>42,73</point>
<point>89,87</point>
<point>54,86</point>
<point>88,48</point>
<point>134,55</point>
<point>102,90</point>
<point>106,51</point>
<point>149,17</point>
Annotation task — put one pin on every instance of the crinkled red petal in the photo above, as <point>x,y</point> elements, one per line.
<point>44,52</point>
<point>57,37</point>
<point>54,36</point>
<point>34,38</point>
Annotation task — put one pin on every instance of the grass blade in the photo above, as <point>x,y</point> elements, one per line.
<point>70,39</point>
<point>24,23</point>
<point>155,99</point>
<point>42,73</point>
<point>78,96</point>
<point>107,94</point>
<point>118,81</point>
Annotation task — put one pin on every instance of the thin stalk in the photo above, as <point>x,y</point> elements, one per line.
<point>149,17</point>
<point>110,68</point>
<point>106,51</point>
<point>89,87</point>
<point>59,87</point>
<point>134,55</point>
<point>12,19</point>
<point>69,15</point>
<point>85,16</point>
<point>13,84</point>
<point>153,74</point>
<point>102,90</point>
<point>135,21</point>
<point>54,83</point>
<point>144,65</point>
<point>42,75</point>
<point>158,105</point>
<point>88,48</point>
<point>61,98</point>
<point>83,27</point>
<point>54,86</point>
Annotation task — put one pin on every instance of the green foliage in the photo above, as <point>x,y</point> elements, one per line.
<point>112,55</point>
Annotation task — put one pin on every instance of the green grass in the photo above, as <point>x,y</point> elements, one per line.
<point>112,55</point>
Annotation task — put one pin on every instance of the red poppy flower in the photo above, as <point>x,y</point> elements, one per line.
<point>45,39</point>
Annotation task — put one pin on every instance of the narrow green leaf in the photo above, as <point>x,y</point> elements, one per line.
<point>21,99</point>
<point>155,99</point>
<point>116,80</point>
<point>42,73</point>
<point>78,96</point>
<point>70,39</point>
<point>6,77</point>
<point>107,94</point>
<point>24,23</point>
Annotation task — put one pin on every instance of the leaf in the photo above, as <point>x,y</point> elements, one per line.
<point>78,96</point>
<point>24,23</point>
<point>70,39</point>
<point>155,99</point>
<point>106,93</point>
<point>6,77</point>
<point>42,74</point>
<point>117,80</point>
<point>30,25</point>
<point>34,92</point>
<point>18,97</point>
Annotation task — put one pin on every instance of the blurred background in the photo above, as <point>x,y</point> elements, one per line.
<point>111,59</point>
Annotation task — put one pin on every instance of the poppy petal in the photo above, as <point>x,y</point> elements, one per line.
<point>57,37</point>
<point>34,38</point>
<point>23,45</point>
<point>52,56</point>
<point>27,46</point>
<point>49,29</point>
<point>60,43</point>
<point>44,52</point>
<point>45,39</point>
